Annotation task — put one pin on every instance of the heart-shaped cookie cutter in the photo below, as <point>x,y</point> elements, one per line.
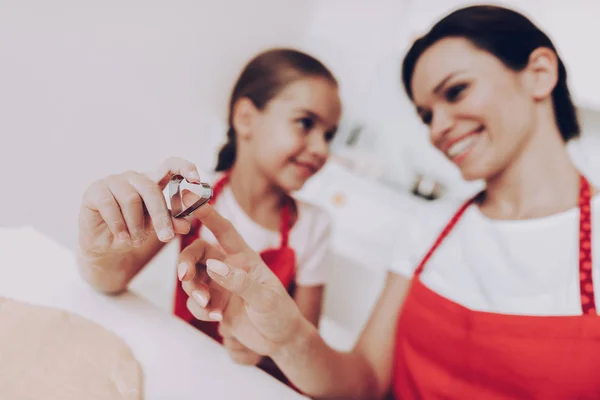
<point>178,209</point>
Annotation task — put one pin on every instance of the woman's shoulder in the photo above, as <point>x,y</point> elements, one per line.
<point>433,217</point>
<point>419,231</point>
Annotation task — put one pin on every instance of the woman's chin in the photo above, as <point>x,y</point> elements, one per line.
<point>474,173</point>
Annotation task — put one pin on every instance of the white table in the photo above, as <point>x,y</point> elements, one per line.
<point>178,361</point>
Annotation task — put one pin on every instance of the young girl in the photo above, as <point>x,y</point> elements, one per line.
<point>283,113</point>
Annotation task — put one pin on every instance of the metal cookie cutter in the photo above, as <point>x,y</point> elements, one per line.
<point>178,210</point>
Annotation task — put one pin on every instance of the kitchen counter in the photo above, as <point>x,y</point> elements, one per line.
<point>178,361</point>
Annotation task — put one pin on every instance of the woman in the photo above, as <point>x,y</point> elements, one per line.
<point>500,304</point>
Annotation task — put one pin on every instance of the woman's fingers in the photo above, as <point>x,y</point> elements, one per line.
<point>181,226</point>
<point>219,299</point>
<point>207,295</point>
<point>223,330</point>
<point>239,353</point>
<point>208,299</point>
<point>193,255</point>
<point>155,203</point>
<point>123,210</point>
<point>198,289</point>
<point>245,357</point>
<point>201,300</point>
<point>131,206</point>
<point>174,166</point>
<point>149,188</point>
<point>229,239</point>
<point>259,297</point>
<point>99,198</point>
<point>232,344</point>
<point>197,311</point>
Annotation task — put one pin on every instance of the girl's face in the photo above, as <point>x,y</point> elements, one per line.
<point>289,139</point>
<point>480,113</point>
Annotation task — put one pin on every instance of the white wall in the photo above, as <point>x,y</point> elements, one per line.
<point>91,88</point>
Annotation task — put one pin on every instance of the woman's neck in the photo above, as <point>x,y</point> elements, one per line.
<point>542,181</point>
<point>259,198</point>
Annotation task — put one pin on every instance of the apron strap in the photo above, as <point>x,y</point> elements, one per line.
<point>218,187</point>
<point>444,234</point>
<point>286,220</point>
<point>586,284</point>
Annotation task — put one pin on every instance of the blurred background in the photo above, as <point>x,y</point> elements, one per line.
<point>93,88</point>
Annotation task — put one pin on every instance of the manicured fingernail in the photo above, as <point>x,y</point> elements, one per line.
<point>200,299</point>
<point>194,176</point>
<point>215,315</point>
<point>182,270</point>
<point>165,234</point>
<point>218,267</point>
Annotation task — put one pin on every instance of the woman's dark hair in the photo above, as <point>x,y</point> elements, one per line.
<point>261,80</point>
<point>509,36</point>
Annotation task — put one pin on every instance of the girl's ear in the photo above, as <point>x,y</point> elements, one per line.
<point>244,113</point>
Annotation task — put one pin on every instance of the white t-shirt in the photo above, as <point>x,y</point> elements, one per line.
<point>309,237</point>
<point>527,267</point>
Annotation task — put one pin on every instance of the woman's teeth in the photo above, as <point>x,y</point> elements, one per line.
<point>461,146</point>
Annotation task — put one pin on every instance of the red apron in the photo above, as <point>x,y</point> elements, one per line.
<point>282,261</point>
<point>447,351</point>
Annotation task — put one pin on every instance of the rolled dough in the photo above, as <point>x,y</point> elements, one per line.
<point>51,354</point>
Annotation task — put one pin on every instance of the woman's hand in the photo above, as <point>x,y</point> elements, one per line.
<point>230,283</point>
<point>239,353</point>
<point>122,211</point>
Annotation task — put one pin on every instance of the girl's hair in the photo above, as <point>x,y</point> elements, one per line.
<point>261,80</point>
<point>509,36</point>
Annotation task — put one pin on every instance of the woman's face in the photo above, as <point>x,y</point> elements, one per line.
<point>480,113</point>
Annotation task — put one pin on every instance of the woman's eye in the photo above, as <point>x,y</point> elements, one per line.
<point>329,136</point>
<point>426,117</point>
<point>453,94</point>
<point>306,123</point>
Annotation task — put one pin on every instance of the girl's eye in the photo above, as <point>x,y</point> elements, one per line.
<point>454,93</point>
<point>306,123</point>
